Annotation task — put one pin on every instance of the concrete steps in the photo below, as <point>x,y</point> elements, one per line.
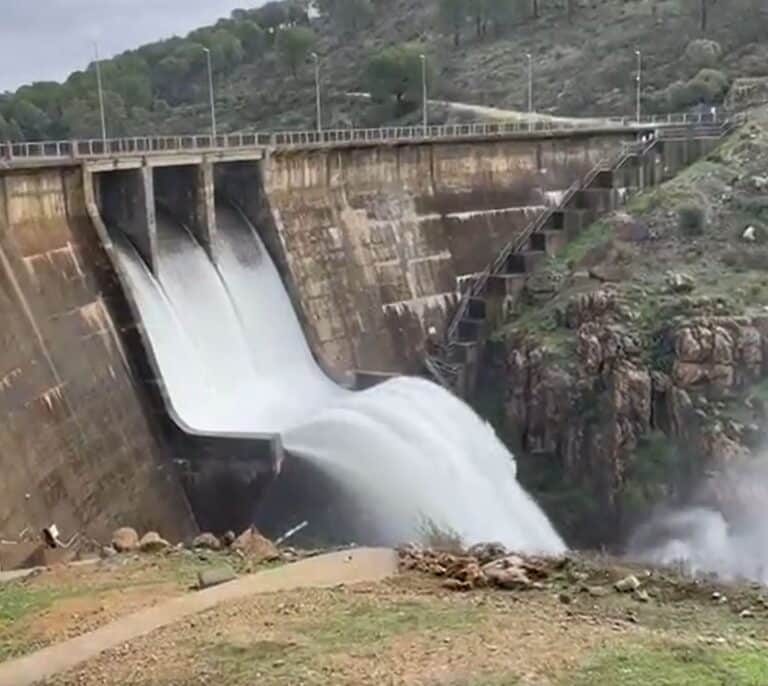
<point>603,190</point>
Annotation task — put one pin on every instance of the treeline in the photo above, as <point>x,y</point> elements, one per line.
<point>156,77</point>
<point>146,84</point>
<point>493,16</point>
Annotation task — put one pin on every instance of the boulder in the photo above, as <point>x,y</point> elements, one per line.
<point>207,541</point>
<point>215,577</point>
<point>456,585</point>
<point>487,552</point>
<point>107,552</point>
<point>151,542</point>
<point>609,272</point>
<point>628,584</point>
<point>255,546</point>
<point>228,538</point>
<point>125,540</point>
<point>515,573</point>
<point>679,282</point>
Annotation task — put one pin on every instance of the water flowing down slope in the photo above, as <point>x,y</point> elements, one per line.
<point>233,358</point>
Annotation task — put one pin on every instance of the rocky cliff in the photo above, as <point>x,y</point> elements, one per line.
<point>634,368</point>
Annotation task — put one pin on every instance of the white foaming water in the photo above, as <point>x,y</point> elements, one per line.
<point>233,358</point>
<point>702,540</point>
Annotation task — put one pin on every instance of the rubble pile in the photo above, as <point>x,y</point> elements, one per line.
<point>483,565</point>
<point>250,545</point>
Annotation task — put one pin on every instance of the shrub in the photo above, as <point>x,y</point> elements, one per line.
<point>703,53</point>
<point>709,85</point>
<point>680,95</point>
<point>740,259</point>
<point>691,220</point>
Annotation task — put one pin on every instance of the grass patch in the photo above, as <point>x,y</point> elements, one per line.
<point>675,665</point>
<point>23,600</point>
<point>17,600</point>
<point>589,239</point>
<point>366,624</point>
<point>358,630</point>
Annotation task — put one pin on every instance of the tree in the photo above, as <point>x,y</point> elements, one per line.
<point>501,12</point>
<point>294,44</point>
<point>396,72</point>
<point>252,37</point>
<point>31,119</point>
<point>453,14</point>
<point>569,5</point>
<point>9,130</point>
<point>271,16</point>
<point>703,53</point>
<point>297,12</point>
<point>701,9</point>
<point>480,14</point>
<point>350,15</point>
<point>82,118</point>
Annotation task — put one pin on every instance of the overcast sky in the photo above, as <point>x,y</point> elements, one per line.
<point>44,40</point>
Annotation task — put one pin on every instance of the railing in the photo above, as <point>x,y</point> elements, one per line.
<point>441,369</point>
<point>142,145</point>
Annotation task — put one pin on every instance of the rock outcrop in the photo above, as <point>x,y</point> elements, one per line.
<point>589,410</point>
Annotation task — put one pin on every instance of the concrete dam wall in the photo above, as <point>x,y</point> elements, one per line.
<point>376,239</point>
<point>370,242</point>
<point>77,447</point>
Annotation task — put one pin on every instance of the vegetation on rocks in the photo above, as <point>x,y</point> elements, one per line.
<point>640,369</point>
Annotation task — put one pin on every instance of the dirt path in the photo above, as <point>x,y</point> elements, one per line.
<point>348,567</point>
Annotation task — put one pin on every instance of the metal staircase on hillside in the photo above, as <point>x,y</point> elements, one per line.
<point>468,326</point>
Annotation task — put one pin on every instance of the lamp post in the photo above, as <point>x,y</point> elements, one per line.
<point>318,106</point>
<point>425,115</point>
<point>211,96</point>
<point>101,96</point>
<point>530,82</point>
<point>639,79</point>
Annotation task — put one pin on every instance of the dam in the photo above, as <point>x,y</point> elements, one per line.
<point>182,322</point>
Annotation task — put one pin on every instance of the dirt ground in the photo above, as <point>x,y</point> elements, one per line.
<point>66,601</point>
<point>411,631</point>
<point>576,630</point>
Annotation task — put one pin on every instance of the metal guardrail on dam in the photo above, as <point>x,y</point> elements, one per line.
<point>96,149</point>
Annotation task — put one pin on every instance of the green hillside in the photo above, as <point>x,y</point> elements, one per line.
<point>582,56</point>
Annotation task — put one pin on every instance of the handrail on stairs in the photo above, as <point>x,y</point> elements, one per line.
<point>445,372</point>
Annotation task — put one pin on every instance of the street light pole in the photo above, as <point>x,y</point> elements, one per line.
<point>530,82</point>
<point>101,96</point>
<point>211,95</point>
<point>424,113</point>
<point>318,105</point>
<point>639,82</point>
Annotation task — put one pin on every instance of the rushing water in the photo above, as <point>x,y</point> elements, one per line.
<point>233,358</point>
<point>726,533</point>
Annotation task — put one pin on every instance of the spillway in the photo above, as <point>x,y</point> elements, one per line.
<point>233,359</point>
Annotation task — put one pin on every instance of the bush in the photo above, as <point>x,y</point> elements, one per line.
<point>709,85</point>
<point>691,220</point>
<point>740,259</point>
<point>703,53</point>
<point>680,95</point>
